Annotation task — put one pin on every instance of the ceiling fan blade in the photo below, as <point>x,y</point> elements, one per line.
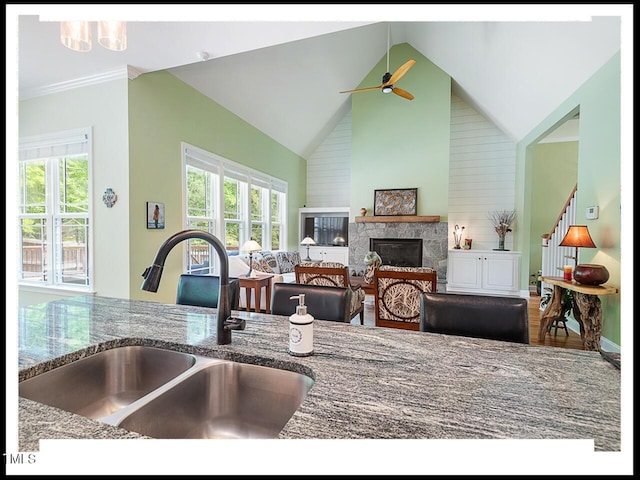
<point>403,93</point>
<point>399,73</point>
<point>362,89</point>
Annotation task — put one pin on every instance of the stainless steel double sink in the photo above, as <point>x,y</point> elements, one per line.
<point>167,394</point>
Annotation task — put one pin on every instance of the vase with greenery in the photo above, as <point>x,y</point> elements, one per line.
<point>502,221</point>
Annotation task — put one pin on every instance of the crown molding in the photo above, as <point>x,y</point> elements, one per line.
<point>125,71</point>
<point>572,138</point>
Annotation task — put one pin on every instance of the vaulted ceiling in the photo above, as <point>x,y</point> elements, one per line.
<point>284,77</point>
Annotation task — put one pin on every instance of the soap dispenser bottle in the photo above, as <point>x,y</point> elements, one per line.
<point>300,330</point>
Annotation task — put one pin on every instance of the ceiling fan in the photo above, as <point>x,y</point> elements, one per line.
<point>389,80</point>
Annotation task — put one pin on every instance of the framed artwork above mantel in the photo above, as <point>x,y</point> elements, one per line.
<point>398,201</point>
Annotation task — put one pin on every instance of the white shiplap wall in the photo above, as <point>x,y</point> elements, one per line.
<point>482,174</point>
<point>329,168</point>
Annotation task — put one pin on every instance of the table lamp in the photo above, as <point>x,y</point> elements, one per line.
<point>251,246</point>
<point>577,236</point>
<point>586,273</point>
<point>307,241</point>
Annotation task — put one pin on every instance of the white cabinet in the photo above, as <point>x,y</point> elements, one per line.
<point>325,225</point>
<point>483,271</point>
<point>326,254</point>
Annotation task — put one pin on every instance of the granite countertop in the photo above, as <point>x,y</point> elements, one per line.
<point>370,383</point>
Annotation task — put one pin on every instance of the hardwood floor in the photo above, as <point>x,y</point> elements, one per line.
<point>561,340</point>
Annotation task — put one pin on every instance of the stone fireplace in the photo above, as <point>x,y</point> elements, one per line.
<point>432,234</point>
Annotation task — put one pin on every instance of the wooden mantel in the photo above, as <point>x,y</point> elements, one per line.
<point>399,219</point>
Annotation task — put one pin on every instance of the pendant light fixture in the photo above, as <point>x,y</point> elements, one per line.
<point>112,35</point>
<point>76,35</point>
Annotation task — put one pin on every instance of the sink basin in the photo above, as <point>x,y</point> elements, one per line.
<point>167,394</point>
<point>104,383</point>
<point>223,400</point>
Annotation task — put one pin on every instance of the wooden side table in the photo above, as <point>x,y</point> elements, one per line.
<point>256,284</point>
<point>356,282</point>
<point>586,309</point>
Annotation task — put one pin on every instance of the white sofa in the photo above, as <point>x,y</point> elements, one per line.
<point>239,267</point>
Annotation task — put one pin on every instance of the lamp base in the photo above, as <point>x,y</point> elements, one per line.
<point>590,274</point>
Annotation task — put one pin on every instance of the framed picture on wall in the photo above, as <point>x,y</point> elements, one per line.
<point>399,201</point>
<point>155,215</point>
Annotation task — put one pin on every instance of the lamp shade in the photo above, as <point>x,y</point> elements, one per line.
<point>577,236</point>
<point>339,240</point>
<point>308,241</point>
<point>112,35</point>
<point>251,246</point>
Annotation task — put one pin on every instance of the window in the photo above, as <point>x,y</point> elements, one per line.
<point>232,202</point>
<point>54,204</point>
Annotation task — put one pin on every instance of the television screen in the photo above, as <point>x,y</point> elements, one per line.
<point>332,231</point>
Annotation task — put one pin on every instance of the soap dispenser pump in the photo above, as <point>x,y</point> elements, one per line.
<point>300,330</point>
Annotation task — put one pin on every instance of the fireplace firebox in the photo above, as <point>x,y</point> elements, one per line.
<point>398,252</point>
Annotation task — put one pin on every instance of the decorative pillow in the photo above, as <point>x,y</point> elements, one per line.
<point>260,264</point>
<point>271,261</point>
<point>331,265</point>
<point>370,273</point>
<point>288,260</point>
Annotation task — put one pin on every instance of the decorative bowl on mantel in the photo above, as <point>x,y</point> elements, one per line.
<point>590,274</point>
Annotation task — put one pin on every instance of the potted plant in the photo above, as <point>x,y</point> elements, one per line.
<point>566,305</point>
<point>536,279</point>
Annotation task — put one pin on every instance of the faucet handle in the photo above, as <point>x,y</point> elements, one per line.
<point>233,323</point>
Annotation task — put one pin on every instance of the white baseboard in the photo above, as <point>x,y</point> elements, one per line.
<point>605,344</point>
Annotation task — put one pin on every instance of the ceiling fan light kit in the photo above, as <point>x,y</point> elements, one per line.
<point>388,80</point>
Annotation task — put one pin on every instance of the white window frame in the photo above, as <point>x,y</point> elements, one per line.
<point>51,147</point>
<point>227,169</point>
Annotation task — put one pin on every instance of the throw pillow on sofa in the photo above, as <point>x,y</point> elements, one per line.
<point>259,265</point>
<point>268,262</point>
<point>288,260</point>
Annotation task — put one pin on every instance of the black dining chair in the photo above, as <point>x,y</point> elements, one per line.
<point>323,302</point>
<point>496,318</point>
<point>203,291</point>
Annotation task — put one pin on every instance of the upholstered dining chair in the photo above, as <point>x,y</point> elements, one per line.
<point>332,274</point>
<point>203,291</point>
<point>397,293</point>
<point>492,317</point>
<point>323,302</point>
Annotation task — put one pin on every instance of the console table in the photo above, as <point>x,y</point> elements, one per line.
<point>586,309</point>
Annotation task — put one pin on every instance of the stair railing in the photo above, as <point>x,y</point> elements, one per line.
<point>554,257</point>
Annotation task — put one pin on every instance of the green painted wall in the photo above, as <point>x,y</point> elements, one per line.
<point>599,180</point>
<point>397,143</point>
<point>163,112</point>
<point>555,173</point>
